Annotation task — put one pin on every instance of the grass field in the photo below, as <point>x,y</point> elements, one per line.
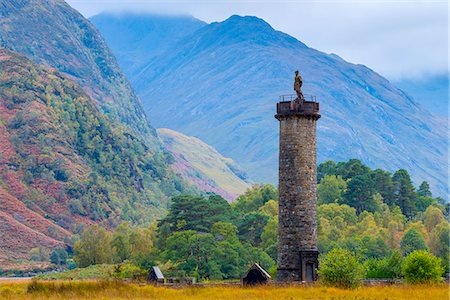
<point>118,290</point>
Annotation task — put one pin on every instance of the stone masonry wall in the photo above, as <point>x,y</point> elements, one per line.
<point>297,226</point>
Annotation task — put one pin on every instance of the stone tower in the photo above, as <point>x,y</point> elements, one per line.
<point>297,227</point>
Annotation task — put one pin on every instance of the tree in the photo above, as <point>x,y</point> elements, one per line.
<point>360,191</point>
<point>254,198</point>
<point>340,268</point>
<point>423,202</point>
<point>326,168</point>
<point>422,267</point>
<point>58,256</point>
<point>141,242</point>
<point>352,168</point>
<point>93,247</point>
<point>196,213</point>
<point>331,189</point>
<point>223,231</point>
<point>120,241</point>
<point>440,243</point>
<point>251,227</point>
<point>404,192</point>
<point>433,217</point>
<point>424,190</point>
<point>412,240</point>
<point>39,254</point>
<point>269,238</point>
<point>270,208</point>
<point>193,253</point>
<point>384,185</point>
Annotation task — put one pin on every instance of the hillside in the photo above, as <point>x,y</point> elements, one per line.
<point>431,91</point>
<point>52,33</point>
<point>142,36</point>
<point>221,83</point>
<point>202,165</point>
<point>64,164</point>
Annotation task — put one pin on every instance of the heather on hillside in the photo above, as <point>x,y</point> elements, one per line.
<point>65,159</point>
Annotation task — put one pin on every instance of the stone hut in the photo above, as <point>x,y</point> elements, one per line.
<point>255,275</point>
<point>155,276</point>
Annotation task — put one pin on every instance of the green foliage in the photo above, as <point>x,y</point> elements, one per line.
<point>424,190</point>
<point>93,247</point>
<point>340,268</point>
<point>384,185</point>
<point>77,155</point>
<point>433,217</point>
<point>404,191</point>
<point>101,271</point>
<point>422,267</point>
<point>360,192</point>
<point>412,240</point>
<point>58,256</point>
<point>39,254</point>
<point>196,213</point>
<point>388,267</point>
<point>251,227</point>
<point>331,189</point>
<point>269,238</point>
<point>440,243</point>
<point>255,197</point>
<point>127,270</point>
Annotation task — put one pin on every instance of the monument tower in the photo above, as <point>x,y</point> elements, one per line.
<point>297,225</point>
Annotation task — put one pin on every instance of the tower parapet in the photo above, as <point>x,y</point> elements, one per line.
<point>290,105</point>
<point>297,223</point>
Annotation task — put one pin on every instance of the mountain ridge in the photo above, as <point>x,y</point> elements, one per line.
<point>223,89</point>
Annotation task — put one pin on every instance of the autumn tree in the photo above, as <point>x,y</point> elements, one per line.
<point>93,247</point>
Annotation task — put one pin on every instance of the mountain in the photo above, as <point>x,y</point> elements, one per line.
<point>52,33</point>
<point>142,36</point>
<point>63,163</point>
<point>201,164</point>
<point>222,81</point>
<point>430,91</point>
<point>76,145</point>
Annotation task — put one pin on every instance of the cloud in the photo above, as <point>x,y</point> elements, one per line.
<point>398,39</point>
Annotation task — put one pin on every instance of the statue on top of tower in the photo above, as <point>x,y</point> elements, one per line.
<point>298,82</point>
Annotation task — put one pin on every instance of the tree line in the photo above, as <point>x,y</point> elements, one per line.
<point>379,218</point>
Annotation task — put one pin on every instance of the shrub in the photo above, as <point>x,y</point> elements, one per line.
<point>422,267</point>
<point>340,268</point>
<point>388,267</point>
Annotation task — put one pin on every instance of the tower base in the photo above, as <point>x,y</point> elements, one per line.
<point>307,271</point>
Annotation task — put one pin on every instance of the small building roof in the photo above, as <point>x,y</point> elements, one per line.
<point>158,272</point>
<point>256,266</point>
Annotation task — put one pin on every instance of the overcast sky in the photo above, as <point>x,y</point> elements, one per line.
<point>395,38</point>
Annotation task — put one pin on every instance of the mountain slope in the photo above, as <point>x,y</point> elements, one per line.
<point>221,84</point>
<point>53,33</point>
<point>431,91</point>
<point>142,36</point>
<point>63,163</point>
<point>201,164</point>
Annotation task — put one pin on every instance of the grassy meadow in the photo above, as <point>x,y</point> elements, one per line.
<point>119,290</point>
